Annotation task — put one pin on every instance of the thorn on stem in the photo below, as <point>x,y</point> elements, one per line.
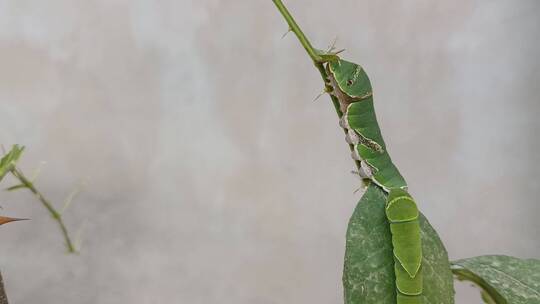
<point>332,46</point>
<point>37,171</point>
<point>5,220</point>
<point>71,196</point>
<point>320,94</point>
<point>78,237</point>
<point>287,32</point>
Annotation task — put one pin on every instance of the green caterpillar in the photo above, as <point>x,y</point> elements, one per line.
<point>352,88</point>
<point>353,100</point>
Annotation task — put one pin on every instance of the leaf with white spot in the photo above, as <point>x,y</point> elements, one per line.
<point>505,279</point>
<point>368,275</point>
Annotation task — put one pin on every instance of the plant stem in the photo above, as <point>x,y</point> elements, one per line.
<point>57,216</point>
<point>317,60</point>
<point>298,32</point>
<point>3,296</point>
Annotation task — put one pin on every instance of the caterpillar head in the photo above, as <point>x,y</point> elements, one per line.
<point>350,78</point>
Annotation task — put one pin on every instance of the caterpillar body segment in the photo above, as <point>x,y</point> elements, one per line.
<point>353,89</point>
<point>361,117</point>
<point>406,244</point>
<point>351,78</point>
<point>402,213</point>
<point>404,299</point>
<point>384,172</point>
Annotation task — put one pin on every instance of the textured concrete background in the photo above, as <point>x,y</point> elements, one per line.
<point>212,177</point>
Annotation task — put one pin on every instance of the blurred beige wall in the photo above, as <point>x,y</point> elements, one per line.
<point>211,176</point>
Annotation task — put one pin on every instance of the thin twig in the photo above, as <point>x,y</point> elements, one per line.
<point>57,216</point>
<point>298,32</point>
<point>3,295</point>
<point>318,61</point>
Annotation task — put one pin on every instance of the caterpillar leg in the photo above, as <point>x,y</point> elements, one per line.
<point>402,214</point>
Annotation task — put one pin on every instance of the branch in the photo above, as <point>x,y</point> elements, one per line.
<point>57,216</point>
<point>318,58</point>
<point>3,296</point>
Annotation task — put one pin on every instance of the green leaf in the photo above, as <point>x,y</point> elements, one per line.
<point>7,163</point>
<point>486,297</point>
<point>16,187</point>
<point>504,278</point>
<point>368,275</point>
